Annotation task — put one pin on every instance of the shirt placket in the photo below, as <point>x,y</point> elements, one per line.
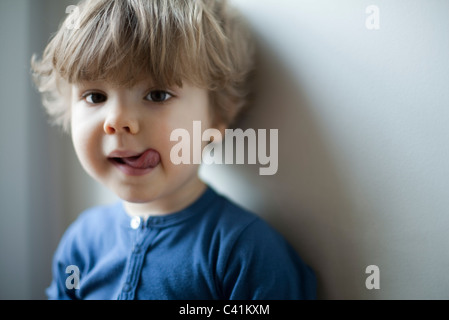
<point>143,237</point>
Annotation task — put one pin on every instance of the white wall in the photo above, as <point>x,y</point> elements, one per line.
<point>363,152</point>
<point>363,174</point>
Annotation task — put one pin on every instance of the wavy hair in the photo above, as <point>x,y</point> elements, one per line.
<point>204,42</point>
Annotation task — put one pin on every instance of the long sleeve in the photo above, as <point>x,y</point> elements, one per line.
<point>263,266</point>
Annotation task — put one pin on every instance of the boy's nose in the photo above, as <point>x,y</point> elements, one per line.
<point>120,123</point>
<point>112,129</point>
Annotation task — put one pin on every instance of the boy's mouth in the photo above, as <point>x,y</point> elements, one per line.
<point>148,159</point>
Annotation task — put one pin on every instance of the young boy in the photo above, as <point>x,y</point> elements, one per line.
<point>121,76</point>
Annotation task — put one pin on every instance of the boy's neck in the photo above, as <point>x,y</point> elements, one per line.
<point>172,203</point>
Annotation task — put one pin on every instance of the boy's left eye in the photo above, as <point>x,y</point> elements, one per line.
<point>158,96</point>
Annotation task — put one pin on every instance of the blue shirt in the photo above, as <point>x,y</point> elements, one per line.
<point>212,249</point>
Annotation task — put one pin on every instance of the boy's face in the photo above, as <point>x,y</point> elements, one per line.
<point>122,138</point>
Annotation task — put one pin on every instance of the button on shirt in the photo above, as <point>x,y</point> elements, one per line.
<point>135,222</point>
<point>212,249</point>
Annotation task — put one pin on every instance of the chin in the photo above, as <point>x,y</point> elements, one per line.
<point>135,198</point>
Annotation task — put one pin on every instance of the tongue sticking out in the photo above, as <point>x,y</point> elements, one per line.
<point>148,159</point>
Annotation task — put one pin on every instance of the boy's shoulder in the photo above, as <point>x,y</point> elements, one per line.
<point>99,216</point>
<point>251,249</point>
<point>223,213</point>
<point>92,224</point>
<point>241,225</point>
<point>231,214</point>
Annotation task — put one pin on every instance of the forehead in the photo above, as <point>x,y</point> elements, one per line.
<point>141,82</point>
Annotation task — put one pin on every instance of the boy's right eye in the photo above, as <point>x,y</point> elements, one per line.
<point>95,97</point>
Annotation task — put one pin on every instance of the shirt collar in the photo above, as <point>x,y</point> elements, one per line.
<point>197,207</point>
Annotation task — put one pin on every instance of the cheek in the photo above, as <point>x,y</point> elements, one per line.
<point>164,145</point>
<point>189,139</point>
<point>85,142</point>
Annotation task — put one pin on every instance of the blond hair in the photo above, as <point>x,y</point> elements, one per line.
<point>204,42</point>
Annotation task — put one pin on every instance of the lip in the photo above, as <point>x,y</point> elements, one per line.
<point>125,154</point>
<point>130,171</point>
<point>125,168</point>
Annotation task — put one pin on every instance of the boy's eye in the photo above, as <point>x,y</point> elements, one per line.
<point>95,98</point>
<point>158,96</point>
